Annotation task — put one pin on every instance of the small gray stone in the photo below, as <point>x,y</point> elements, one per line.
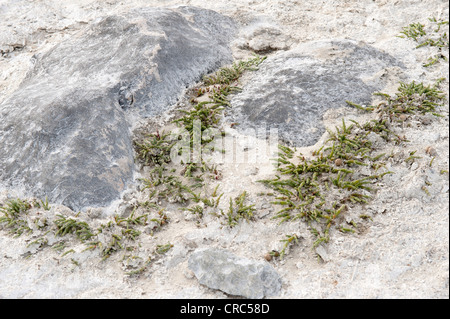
<point>426,120</point>
<point>220,269</point>
<point>321,251</point>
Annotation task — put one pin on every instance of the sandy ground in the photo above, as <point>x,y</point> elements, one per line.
<point>401,253</point>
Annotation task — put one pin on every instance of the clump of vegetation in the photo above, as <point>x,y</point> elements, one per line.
<point>66,225</point>
<point>318,190</point>
<point>207,113</point>
<point>15,207</point>
<point>13,214</point>
<point>138,268</point>
<point>165,185</point>
<point>114,245</point>
<point>163,249</point>
<point>412,98</point>
<point>288,242</point>
<point>155,149</point>
<point>119,234</point>
<point>321,189</point>
<point>131,220</point>
<point>435,35</point>
<point>218,87</point>
<point>42,203</point>
<point>239,210</point>
<point>228,75</point>
<point>414,31</point>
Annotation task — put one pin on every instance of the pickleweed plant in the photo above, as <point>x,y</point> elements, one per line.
<point>434,35</point>
<point>321,188</point>
<point>14,216</point>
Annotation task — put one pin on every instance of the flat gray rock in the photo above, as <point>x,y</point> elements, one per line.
<point>292,90</point>
<point>65,133</point>
<point>220,269</point>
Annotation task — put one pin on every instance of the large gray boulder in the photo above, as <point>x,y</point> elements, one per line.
<point>220,269</point>
<point>65,133</point>
<point>292,90</point>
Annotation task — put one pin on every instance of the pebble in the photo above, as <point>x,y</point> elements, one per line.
<point>320,250</point>
<point>426,121</point>
<point>431,151</point>
<point>189,274</point>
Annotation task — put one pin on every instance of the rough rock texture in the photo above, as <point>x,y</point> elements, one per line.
<point>292,90</point>
<point>263,36</point>
<point>402,253</point>
<point>219,269</point>
<point>64,133</point>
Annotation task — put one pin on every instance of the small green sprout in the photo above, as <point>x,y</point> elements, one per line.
<point>162,249</point>
<point>289,241</point>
